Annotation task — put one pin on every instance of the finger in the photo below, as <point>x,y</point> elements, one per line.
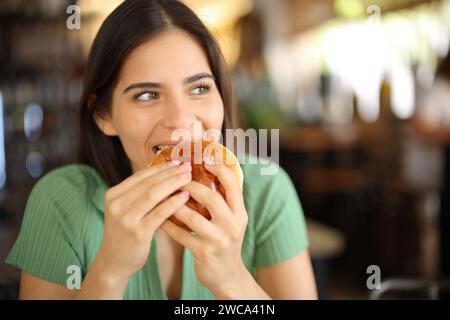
<point>233,193</point>
<point>136,192</point>
<point>139,176</point>
<point>197,223</point>
<point>148,198</point>
<point>212,200</point>
<point>182,236</point>
<point>168,173</point>
<point>164,210</point>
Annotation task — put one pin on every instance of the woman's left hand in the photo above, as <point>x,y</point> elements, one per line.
<point>217,244</point>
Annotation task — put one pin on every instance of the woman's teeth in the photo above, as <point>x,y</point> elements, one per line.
<point>157,149</point>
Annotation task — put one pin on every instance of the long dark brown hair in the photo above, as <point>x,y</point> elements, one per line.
<point>129,25</point>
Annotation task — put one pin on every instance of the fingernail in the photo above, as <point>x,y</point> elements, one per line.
<point>209,160</point>
<point>186,166</point>
<point>184,195</point>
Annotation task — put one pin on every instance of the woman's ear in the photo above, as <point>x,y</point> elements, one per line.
<point>105,124</point>
<point>102,119</point>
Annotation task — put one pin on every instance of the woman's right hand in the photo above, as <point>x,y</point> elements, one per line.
<point>134,210</point>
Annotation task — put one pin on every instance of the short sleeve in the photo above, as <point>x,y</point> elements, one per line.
<point>43,247</point>
<point>280,225</point>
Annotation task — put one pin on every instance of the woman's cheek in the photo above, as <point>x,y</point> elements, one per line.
<point>134,136</point>
<point>213,114</point>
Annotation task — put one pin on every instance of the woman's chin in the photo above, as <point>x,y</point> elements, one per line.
<point>135,167</point>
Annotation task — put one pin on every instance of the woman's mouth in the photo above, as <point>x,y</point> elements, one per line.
<point>157,149</point>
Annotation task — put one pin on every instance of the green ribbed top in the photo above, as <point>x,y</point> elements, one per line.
<point>63,226</point>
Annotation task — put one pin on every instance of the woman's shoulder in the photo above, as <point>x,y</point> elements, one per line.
<point>75,181</point>
<point>263,178</point>
<point>262,170</point>
<point>275,214</point>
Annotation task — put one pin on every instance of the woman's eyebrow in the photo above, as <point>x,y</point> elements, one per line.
<point>197,76</point>
<point>142,85</point>
<point>187,80</point>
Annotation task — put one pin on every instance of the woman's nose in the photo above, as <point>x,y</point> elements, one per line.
<point>178,115</point>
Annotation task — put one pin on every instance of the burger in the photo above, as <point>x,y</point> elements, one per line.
<point>195,153</point>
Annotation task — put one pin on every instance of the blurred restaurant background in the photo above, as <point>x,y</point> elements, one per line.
<point>360,90</point>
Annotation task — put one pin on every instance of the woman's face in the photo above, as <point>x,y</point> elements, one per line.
<point>164,84</point>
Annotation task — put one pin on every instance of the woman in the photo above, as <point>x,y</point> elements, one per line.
<point>154,68</point>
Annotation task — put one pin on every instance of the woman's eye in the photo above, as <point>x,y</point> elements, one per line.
<point>146,96</point>
<point>202,89</point>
